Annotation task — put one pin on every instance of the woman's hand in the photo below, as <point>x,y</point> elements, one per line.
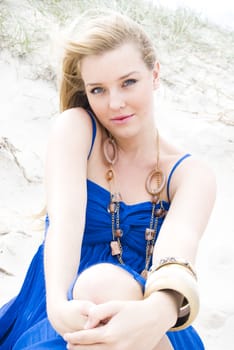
<point>70,316</point>
<point>126,325</point>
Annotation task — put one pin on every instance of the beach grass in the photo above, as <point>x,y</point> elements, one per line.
<point>190,49</point>
<point>26,25</point>
<point>197,80</point>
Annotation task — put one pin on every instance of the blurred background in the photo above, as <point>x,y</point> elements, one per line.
<point>194,109</point>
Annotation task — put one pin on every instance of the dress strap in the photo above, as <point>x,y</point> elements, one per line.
<point>94,130</point>
<point>172,171</point>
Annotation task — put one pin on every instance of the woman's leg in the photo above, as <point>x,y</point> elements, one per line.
<point>164,344</point>
<point>104,282</point>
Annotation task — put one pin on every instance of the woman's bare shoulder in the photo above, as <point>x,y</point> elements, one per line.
<point>189,169</point>
<point>72,117</point>
<point>71,134</point>
<point>71,125</point>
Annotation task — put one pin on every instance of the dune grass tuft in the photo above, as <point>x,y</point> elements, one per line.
<point>191,50</point>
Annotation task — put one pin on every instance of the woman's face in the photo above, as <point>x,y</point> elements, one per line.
<point>119,87</point>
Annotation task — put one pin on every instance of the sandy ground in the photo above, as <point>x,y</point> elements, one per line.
<point>193,120</point>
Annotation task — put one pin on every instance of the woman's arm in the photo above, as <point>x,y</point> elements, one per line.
<point>192,192</point>
<point>192,198</point>
<point>66,174</point>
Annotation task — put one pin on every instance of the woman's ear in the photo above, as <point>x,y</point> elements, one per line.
<point>156,71</point>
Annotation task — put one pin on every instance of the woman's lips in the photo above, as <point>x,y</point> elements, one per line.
<point>121,118</point>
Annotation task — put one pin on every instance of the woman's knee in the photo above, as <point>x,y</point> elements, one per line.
<point>104,282</point>
<point>164,344</point>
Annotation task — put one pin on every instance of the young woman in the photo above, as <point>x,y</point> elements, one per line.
<point>125,213</point>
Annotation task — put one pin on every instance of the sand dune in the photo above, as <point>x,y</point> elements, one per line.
<point>198,116</point>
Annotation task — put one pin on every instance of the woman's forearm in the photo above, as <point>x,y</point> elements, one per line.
<point>163,305</point>
<point>61,260</point>
<point>60,266</point>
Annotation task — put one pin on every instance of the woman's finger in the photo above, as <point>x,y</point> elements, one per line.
<point>100,314</point>
<point>85,307</point>
<point>86,347</point>
<point>86,337</point>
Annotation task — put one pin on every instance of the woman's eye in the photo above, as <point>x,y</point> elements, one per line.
<point>129,82</point>
<point>97,90</point>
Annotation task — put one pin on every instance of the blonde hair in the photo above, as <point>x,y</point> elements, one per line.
<point>94,34</point>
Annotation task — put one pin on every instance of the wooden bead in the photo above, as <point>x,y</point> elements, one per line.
<point>110,150</point>
<point>144,274</point>
<point>149,250</point>
<point>109,175</point>
<point>115,249</point>
<point>160,181</point>
<point>118,233</point>
<point>160,213</point>
<point>112,208</point>
<point>154,199</point>
<point>149,234</point>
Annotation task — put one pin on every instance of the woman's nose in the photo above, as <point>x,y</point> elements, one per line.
<point>116,100</point>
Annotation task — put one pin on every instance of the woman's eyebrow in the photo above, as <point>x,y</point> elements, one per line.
<point>127,75</point>
<point>121,78</point>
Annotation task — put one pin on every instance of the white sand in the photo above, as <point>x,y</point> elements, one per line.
<point>200,120</point>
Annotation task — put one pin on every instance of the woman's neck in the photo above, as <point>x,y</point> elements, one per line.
<point>140,147</point>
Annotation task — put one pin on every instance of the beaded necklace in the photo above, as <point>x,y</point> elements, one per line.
<point>158,211</point>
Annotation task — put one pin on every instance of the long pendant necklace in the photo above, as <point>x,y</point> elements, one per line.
<point>154,184</point>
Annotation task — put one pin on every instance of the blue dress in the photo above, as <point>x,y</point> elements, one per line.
<point>23,320</point>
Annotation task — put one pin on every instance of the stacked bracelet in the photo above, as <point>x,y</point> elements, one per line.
<point>177,275</point>
<point>174,261</point>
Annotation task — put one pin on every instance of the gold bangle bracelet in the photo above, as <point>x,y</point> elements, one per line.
<point>171,261</point>
<point>175,277</point>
